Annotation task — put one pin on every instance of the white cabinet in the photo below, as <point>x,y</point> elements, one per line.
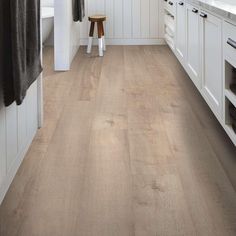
<point>193,44</point>
<point>210,65</point>
<point>211,48</point>
<point>229,97</point>
<point>181,30</point>
<point>169,23</point>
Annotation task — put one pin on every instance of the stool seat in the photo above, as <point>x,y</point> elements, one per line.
<point>97,18</point>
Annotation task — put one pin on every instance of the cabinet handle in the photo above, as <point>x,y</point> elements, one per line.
<point>181,3</point>
<point>232,43</point>
<point>195,10</point>
<point>171,3</point>
<point>203,15</point>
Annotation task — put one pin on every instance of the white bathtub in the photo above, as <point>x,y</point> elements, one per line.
<point>47,22</point>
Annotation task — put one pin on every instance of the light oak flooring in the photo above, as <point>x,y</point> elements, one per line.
<point>128,148</point>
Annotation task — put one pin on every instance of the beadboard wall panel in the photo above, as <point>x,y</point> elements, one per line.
<point>2,143</point>
<point>128,21</point>
<point>18,125</point>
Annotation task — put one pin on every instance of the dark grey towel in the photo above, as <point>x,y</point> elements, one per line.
<point>78,10</point>
<point>6,67</point>
<point>21,46</point>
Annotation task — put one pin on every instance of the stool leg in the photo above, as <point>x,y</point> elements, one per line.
<point>90,41</point>
<point>103,38</point>
<point>100,44</point>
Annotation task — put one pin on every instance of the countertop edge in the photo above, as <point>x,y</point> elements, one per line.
<point>219,10</point>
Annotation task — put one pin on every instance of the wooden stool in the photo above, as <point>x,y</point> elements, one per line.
<point>99,19</point>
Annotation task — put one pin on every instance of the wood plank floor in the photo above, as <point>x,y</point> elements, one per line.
<point>128,148</point>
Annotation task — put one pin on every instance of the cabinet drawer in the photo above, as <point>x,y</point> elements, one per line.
<point>230,40</point>
<point>169,5</point>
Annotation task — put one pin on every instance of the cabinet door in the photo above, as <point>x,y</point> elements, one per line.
<point>181,31</point>
<point>193,44</point>
<point>212,78</point>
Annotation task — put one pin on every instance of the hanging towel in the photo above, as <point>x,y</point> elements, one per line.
<point>22,48</point>
<point>78,10</point>
<point>6,68</point>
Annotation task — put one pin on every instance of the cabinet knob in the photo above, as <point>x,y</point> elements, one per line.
<point>165,0</point>
<point>203,15</point>
<point>171,3</point>
<point>232,43</point>
<point>195,10</point>
<point>181,3</point>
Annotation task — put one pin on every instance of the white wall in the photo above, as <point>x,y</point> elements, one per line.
<point>66,35</point>
<point>128,21</point>
<point>47,3</point>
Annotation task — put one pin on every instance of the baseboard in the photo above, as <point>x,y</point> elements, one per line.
<point>12,172</point>
<point>128,41</point>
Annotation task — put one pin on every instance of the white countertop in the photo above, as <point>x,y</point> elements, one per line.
<point>224,8</point>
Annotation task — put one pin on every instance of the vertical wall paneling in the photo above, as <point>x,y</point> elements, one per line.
<point>18,125</point>
<point>136,13</point>
<point>161,25</point>
<point>145,18</point>
<point>11,135</point>
<point>154,18</point>
<point>100,6</point>
<point>21,126</point>
<point>118,19</point>
<point>92,5</point>
<point>2,143</point>
<point>85,24</point>
<point>128,21</point>
<point>110,19</point>
<point>31,110</point>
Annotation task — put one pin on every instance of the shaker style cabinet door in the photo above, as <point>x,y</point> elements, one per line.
<point>181,30</point>
<point>211,47</point>
<point>193,44</point>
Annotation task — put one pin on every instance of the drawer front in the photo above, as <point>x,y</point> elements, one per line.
<point>230,40</point>
<point>165,3</point>
<point>169,5</point>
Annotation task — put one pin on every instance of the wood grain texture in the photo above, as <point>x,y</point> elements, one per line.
<point>128,147</point>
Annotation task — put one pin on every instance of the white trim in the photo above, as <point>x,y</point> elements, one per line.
<point>128,42</point>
